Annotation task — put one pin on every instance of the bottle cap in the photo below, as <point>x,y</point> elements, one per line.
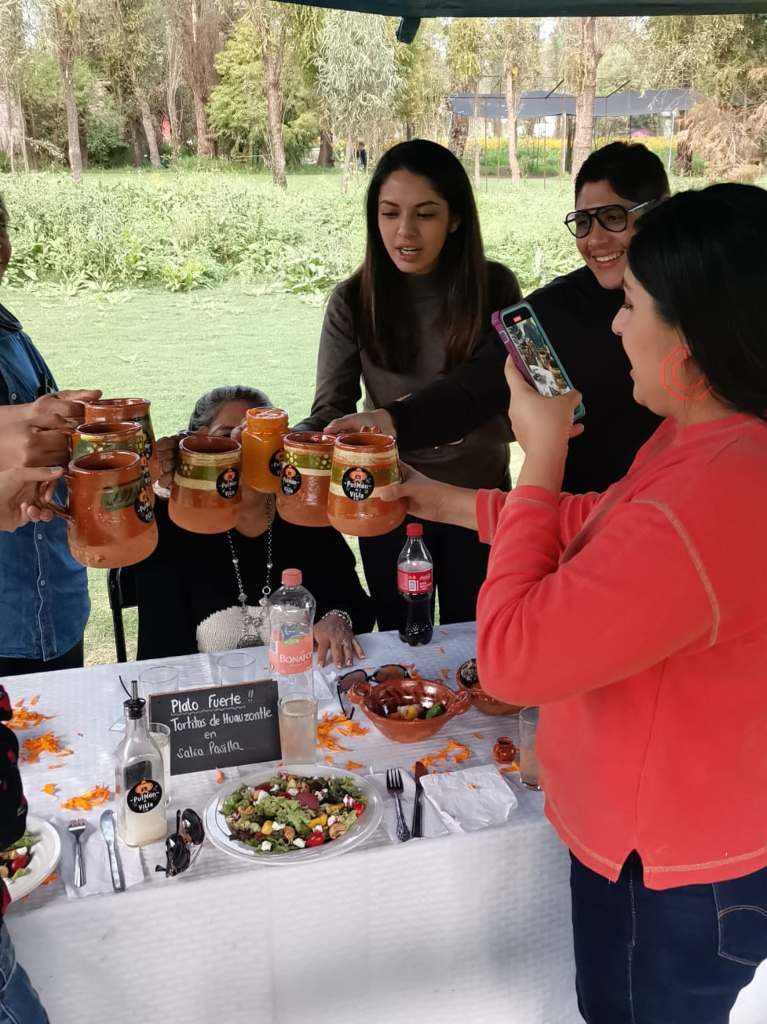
<point>291,577</point>
<point>135,707</point>
<point>414,530</point>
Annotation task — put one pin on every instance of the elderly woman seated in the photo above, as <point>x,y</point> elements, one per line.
<point>205,592</point>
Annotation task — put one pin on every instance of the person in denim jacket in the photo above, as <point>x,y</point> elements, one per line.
<point>44,601</point>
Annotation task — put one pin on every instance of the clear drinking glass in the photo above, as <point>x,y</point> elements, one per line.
<point>298,727</point>
<point>160,733</point>
<point>158,679</point>
<point>528,758</point>
<point>236,667</point>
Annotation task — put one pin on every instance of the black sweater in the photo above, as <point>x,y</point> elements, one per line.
<point>577,315</point>
<point>190,576</point>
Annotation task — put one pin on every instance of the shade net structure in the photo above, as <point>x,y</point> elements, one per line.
<point>538,8</point>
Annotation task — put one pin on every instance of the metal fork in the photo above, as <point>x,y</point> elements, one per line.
<point>76,828</point>
<point>395,787</point>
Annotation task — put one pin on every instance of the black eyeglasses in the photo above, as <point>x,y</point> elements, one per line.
<point>189,832</point>
<point>384,674</point>
<point>612,217</point>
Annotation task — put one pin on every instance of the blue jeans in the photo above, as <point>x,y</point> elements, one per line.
<point>674,956</point>
<point>19,1003</point>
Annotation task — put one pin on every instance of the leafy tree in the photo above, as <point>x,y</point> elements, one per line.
<point>422,81</point>
<point>520,52</point>
<point>63,22</point>
<point>198,27</point>
<point>466,37</point>
<point>11,56</point>
<point>357,78</point>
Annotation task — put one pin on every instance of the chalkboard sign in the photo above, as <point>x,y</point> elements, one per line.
<point>220,726</point>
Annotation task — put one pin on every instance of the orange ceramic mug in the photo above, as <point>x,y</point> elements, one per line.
<point>205,496</point>
<point>363,463</point>
<point>262,448</point>
<point>118,410</point>
<point>110,518</point>
<point>305,479</point>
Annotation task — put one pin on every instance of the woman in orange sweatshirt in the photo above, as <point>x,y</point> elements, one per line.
<point>637,618</point>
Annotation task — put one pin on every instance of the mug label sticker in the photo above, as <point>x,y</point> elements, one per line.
<point>290,481</point>
<point>357,483</point>
<point>275,463</point>
<point>228,482</point>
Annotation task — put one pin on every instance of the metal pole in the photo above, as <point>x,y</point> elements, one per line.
<point>670,143</point>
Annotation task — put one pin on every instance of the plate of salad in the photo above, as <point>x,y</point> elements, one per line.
<point>30,860</point>
<point>294,814</point>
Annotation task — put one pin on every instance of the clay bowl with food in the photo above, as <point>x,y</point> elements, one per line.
<point>468,681</point>
<point>409,710</point>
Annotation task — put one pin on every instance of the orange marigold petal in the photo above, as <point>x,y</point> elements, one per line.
<point>219,777</point>
<point>50,788</point>
<point>353,766</point>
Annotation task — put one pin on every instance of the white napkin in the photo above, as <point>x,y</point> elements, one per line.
<point>98,877</point>
<point>431,822</point>
<point>470,798</point>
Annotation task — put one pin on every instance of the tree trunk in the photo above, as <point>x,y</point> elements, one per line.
<point>348,160</point>
<point>274,107</point>
<point>512,110</point>
<point>204,146</point>
<point>326,157</point>
<point>584,101</point>
<point>73,127</point>
<point>137,157</point>
<point>149,130</point>
<point>409,130</point>
<point>459,133</point>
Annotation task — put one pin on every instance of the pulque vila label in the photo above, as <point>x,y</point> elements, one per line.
<point>357,483</point>
<point>228,482</point>
<point>144,796</point>
<point>142,506</point>
<point>290,481</point>
<point>276,461</point>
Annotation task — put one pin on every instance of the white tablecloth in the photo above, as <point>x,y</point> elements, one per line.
<point>462,928</point>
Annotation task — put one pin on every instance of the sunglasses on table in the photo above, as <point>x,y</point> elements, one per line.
<point>612,217</point>
<point>384,674</point>
<point>189,832</point>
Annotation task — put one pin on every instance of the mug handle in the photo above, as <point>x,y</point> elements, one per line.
<point>61,511</point>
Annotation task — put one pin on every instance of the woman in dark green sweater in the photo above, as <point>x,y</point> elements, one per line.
<point>417,309</point>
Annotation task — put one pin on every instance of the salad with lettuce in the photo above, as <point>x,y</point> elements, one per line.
<point>293,812</point>
<point>14,862</point>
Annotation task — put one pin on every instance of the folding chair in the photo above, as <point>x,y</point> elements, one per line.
<point>121,584</point>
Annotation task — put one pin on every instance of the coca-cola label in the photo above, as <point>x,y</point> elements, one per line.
<point>415,582</point>
<point>291,656</point>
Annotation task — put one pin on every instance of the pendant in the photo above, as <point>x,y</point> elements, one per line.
<point>250,640</point>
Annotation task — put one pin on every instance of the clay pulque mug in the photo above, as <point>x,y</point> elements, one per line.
<point>109,516</point>
<point>262,448</point>
<point>362,463</point>
<point>118,410</point>
<point>206,496</point>
<point>305,479</point>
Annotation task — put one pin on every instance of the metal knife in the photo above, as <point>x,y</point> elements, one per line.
<point>107,822</point>
<point>420,770</point>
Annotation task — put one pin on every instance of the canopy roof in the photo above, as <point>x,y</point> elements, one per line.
<point>538,103</point>
<point>538,8</point>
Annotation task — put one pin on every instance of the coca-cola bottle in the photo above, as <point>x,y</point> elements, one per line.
<point>415,582</point>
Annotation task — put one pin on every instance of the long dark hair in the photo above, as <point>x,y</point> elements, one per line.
<point>702,256</point>
<point>378,295</point>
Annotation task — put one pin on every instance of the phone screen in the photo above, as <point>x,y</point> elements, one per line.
<point>533,348</point>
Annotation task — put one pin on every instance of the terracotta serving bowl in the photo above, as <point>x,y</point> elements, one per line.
<point>373,700</point>
<point>468,681</point>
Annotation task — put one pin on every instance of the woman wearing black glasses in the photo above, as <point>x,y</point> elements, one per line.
<point>614,187</point>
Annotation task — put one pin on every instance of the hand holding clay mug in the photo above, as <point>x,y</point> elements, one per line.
<point>37,433</point>
<point>21,489</point>
<point>118,410</point>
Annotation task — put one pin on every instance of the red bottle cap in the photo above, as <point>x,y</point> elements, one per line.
<point>414,530</point>
<point>291,577</point>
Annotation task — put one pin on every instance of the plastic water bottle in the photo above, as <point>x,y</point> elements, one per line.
<point>291,647</point>
<point>415,582</point>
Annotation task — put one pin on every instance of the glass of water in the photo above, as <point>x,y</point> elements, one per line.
<point>160,734</point>
<point>236,667</point>
<point>298,726</point>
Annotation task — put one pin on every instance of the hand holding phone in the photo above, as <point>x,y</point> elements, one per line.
<point>534,356</point>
